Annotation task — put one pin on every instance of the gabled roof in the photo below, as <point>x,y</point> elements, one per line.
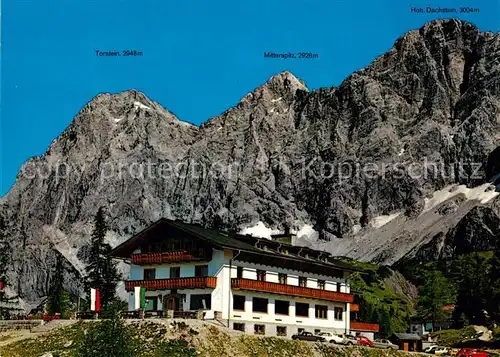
<point>224,240</point>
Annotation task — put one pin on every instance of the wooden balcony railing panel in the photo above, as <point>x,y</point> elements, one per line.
<point>354,307</point>
<point>283,289</point>
<point>185,314</point>
<point>165,257</point>
<point>364,326</point>
<point>173,283</point>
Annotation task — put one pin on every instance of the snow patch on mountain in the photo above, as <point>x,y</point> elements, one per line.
<point>260,230</point>
<point>307,231</point>
<point>381,221</point>
<point>140,105</point>
<point>185,123</point>
<point>483,193</point>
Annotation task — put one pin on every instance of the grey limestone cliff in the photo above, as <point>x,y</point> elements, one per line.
<point>283,155</point>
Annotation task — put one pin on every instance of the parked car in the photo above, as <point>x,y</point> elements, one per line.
<point>440,351</point>
<point>364,341</point>
<point>471,352</point>
<point>381,343</point>
<point>331,337</point>
<point>350,340</point>
<point>431,349</point>
<point>307,336</point>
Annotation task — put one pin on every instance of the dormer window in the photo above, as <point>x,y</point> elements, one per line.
<point>321,284</point>
<point>282,278</point>
<point>261,275</point>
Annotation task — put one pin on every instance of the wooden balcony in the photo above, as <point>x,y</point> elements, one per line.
<point>364,326</point>
<point>173,283</point>
<point>282,289</point>
<point>354,307</point>
<point>165,257</point>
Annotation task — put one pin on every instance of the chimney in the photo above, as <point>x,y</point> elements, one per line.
<point>286,237</point>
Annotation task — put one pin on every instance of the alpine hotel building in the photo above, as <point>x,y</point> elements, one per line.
<point>256,285</point>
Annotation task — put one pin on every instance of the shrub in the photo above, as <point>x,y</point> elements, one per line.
<point>107,338</point>
<point>174,348</point>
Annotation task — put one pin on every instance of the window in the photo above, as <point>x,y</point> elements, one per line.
<point>302,309</point>
<point>338,287</point>
<point>201,302</point>
<point>321,284</point>
<point>149,274</point>
<point>281,307</point>
<point>259,329</point>
<point>338,313</point>
<point>321,311</point>
<point>259,305</point>
<point>201,270</point>
<point>238,302</point>
<point>239,272</point>
<point>281,330</point>
<point>261,275</point>
<point>175,272</point>
<point>239,327</point>
<point>317,331</point>
<point>300,330</point>
<point>303,281</point>
<point>282,278</point>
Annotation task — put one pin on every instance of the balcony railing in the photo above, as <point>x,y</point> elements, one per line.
<point>173,283</point>
<point>165,257</point>
<point>276,288</point>
<point>364,326</point>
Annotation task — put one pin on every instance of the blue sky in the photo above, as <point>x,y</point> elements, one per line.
<point>199,57</point>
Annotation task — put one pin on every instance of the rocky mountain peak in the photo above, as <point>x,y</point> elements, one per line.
<point>282,154</point>
<point>286,80</point>
<point>283,85</point>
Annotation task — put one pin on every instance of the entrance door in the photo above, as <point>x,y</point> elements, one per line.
<point>172,303</point>
<point>405,346</point>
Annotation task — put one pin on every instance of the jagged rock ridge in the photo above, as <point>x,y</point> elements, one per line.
<point>281,155</point>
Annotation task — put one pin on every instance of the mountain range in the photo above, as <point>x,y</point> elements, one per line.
<point>400,161</point>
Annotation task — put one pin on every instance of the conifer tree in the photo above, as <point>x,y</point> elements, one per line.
<point>101,270</point>
<point>58,299</point>
<point>473,289</point>
<point>494,284</point>
<point>7,304</point>
<point>435,293</point>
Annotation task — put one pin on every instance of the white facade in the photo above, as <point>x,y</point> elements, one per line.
<point>322,315</point>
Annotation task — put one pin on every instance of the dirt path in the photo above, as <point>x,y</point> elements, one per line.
<point>15,336</point>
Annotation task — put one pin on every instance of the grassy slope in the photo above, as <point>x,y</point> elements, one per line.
<point>383,289</point>
<point>207,339</point>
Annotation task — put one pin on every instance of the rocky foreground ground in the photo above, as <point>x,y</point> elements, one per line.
<point>208,338</point>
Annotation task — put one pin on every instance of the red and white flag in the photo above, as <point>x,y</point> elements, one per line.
<point>95,300</point>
